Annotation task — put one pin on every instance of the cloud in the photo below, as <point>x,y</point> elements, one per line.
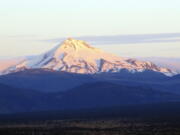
<point>127,39</point>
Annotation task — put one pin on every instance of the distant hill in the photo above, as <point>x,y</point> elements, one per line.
<point>86,96</point>
<point>45,80</point>
<point>104,94</point>
<point>23,100</point>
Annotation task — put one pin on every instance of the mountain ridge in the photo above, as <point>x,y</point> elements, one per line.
<point>77,56</point>
<point>85,96</point>
<point>39,79</point>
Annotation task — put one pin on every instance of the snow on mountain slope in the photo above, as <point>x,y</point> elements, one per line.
<point>172,63</point>
<point>77,56</point>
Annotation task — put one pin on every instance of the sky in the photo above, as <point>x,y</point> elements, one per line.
<point>134,28</point>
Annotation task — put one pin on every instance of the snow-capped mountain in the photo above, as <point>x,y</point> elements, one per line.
<point>77,56</point>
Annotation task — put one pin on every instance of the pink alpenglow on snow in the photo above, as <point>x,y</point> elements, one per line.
<point>77,56</point>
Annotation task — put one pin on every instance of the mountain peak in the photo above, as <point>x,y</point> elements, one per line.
<point>77,56</point>
<point>74,43</point>
<point>70,40</point>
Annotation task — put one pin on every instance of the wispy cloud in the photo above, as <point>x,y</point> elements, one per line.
<point>127,39</point>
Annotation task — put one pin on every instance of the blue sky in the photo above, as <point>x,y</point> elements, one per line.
<point>26,25</point>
